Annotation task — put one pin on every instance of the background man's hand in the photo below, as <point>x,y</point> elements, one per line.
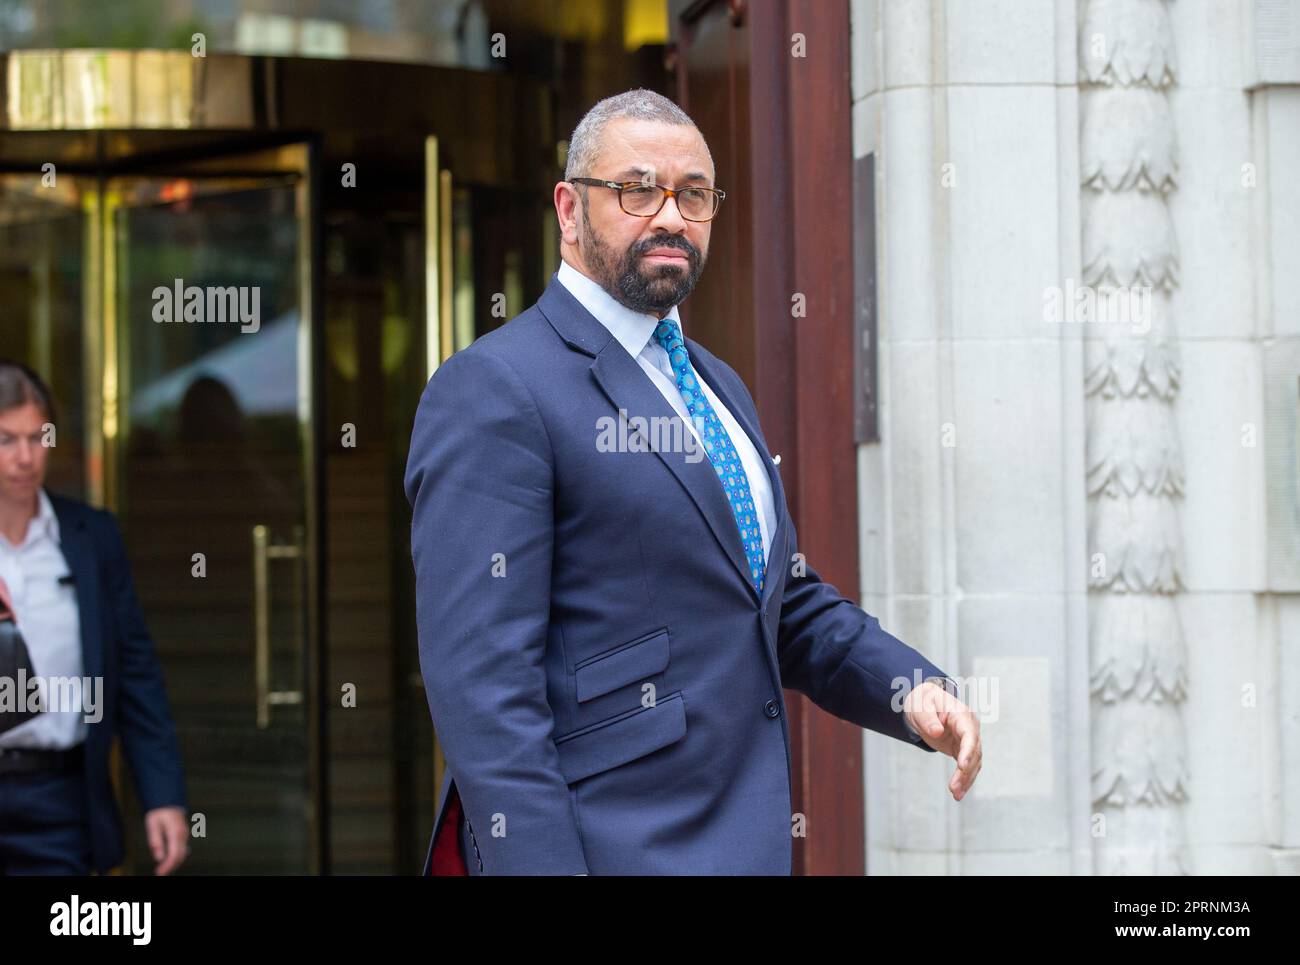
<point>947,725</point>
<point>168,833</point>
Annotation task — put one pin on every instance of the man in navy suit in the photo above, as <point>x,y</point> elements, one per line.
<point>610,593</point>
<point>64,575</point>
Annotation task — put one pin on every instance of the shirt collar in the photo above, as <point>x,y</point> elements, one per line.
<point>44,523</point>
<point>45,520</point>
<point>632,329</point>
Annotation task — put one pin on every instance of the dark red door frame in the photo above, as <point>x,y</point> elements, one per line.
<point>780,129</point>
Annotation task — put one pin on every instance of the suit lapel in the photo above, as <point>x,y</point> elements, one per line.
<point>79,553</point>
<point>621,379</point>
<point>627,387</point>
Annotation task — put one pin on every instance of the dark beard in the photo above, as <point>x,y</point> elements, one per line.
<point>642,288</point>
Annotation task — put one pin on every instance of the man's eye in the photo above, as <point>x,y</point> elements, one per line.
<point>640,189</point>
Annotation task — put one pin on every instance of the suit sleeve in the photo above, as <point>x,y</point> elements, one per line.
<point>479,478</point>
<point>144,723</point>
<point>837,654</point>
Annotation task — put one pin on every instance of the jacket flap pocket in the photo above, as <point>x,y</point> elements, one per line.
<point>638,660</point>
<point>625,738</point>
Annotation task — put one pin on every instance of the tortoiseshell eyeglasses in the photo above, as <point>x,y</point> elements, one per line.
<point>644,200</point>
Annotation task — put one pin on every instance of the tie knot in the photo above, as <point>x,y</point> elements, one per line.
<point>668,334</point>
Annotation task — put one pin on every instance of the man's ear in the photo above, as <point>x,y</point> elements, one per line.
<point>566,210</point>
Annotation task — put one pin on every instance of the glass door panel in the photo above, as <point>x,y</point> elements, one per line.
<point>208,301</point>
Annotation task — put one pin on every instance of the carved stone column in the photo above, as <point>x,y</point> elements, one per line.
<point>1128,164</point>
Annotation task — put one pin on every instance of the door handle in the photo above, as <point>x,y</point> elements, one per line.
<point>264,551</point>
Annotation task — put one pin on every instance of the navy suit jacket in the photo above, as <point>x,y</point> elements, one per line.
<point>604,679</point>
<point>115,644</point>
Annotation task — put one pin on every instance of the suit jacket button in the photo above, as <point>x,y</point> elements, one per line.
<point>772,709</point>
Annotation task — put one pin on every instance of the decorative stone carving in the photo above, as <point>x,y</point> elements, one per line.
<point>1138,661</point>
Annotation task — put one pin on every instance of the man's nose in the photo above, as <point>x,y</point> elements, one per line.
<point>669,218</point>
<point>26,453</point>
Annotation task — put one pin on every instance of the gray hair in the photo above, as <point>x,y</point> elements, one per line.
<point>639,104</point>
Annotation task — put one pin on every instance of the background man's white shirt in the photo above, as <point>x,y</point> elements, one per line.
<point>50,622</point>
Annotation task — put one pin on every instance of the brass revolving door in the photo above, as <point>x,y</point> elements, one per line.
<point>237,274</point>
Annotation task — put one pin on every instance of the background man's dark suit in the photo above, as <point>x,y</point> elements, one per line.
<point>116,646</point>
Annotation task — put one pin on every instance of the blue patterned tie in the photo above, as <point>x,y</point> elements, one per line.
<point>718,445</point>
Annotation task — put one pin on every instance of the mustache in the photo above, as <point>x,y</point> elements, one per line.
<point>690,250</point>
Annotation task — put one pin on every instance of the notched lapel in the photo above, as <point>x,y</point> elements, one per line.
<point>621,379</point>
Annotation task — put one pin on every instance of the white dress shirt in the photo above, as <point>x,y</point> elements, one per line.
<point>633,330</point>
<point>50,622</point>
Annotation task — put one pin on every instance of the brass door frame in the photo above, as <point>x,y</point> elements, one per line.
<point>439,341</point>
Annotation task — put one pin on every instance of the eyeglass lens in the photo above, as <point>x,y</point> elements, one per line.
<point>646,199</point>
